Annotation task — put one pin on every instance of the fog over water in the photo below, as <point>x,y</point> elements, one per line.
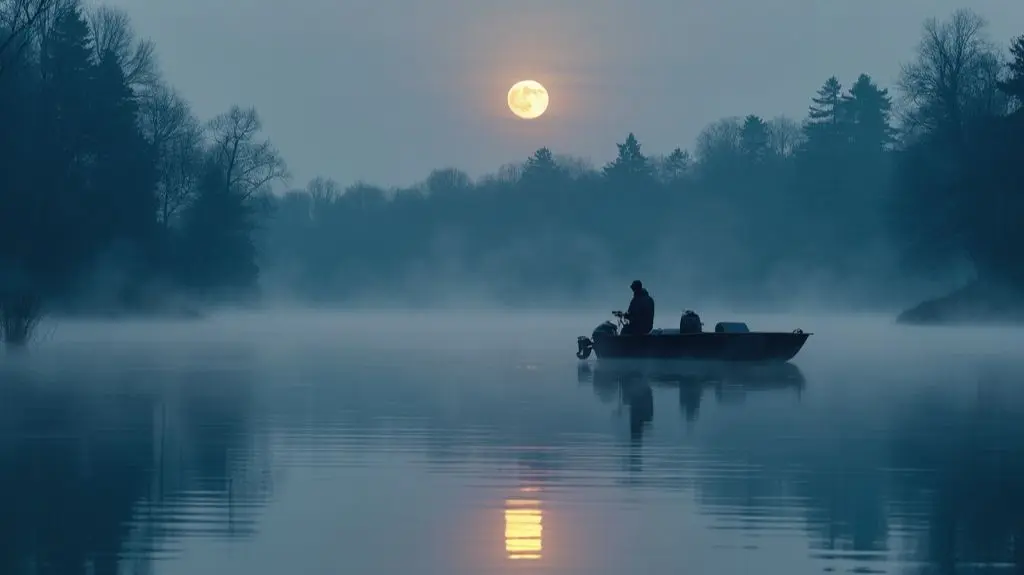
<point>445,442</point>
<point>377,275</point>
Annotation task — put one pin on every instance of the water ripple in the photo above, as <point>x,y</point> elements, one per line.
<point>312,458</point>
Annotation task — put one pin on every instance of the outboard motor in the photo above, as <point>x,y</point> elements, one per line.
<point>606,328</point>
<point>585,345</point>
<point>690,322</point>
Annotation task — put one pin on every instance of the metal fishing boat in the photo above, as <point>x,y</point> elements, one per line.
<point>729,342</point>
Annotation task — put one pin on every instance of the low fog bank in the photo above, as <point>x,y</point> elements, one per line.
<point>677,283</point>
<point>459,330</point>
<point>335,253</point>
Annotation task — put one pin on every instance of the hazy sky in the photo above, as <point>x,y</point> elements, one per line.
<point>386,90</point>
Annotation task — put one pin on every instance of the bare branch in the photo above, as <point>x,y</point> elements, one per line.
<point>784,135</point>
<point>247,163</point>
<point>953,77</point>
<point>445,180</point>
<point>323,192</point>
<point>113,34</point>
<point>720,139</point>
<point>176,135</point>
<point>18,19</point>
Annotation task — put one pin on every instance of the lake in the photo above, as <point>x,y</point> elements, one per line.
<point>449,443</point>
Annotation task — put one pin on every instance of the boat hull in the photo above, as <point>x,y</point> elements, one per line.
<point>708,346</point>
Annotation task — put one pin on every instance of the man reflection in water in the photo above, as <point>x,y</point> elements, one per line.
<point>639,398</point>
<point>690,394</point>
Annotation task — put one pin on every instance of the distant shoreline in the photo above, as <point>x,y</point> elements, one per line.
<point>977,303</point>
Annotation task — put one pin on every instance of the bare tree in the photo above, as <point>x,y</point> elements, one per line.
<point>177,137</point>
<point>673,167</point>
<point>510,173</point>
<point>448,180</point>
<point>248,163</point>
<point>323,190</point>
<point>953,77</point>
<point>784,135</point>
<point>507,174</point>
<point>573,166</point>
<point>363,197</point>
<point>720,140</point>
<point>322,193</point>
<point>18,20</point>
<point>113,34</point>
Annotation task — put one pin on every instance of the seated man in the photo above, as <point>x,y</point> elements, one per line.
<point>640,315</point>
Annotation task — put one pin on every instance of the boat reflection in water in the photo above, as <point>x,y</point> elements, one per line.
<point>524,526</point>
<point>630,381</point>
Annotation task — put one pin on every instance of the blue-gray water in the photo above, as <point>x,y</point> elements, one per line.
<point>326,443</point>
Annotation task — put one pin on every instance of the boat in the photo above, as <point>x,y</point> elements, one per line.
<point>729,342</point>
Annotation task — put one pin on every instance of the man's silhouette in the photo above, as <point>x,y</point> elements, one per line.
<point>640,315</point>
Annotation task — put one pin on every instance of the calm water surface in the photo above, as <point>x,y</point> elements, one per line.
<point>445,444</point>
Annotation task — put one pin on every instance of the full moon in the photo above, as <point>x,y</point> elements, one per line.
<point>527,99</point>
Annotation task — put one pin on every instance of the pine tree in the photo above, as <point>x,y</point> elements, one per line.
<point>540,166</point>
<point>868,108</point>
<point>676,165</point>
<point>1013,86</point>
<point>541,173</point>
<point>825,127</point>
<point>630,166</point>
<point>827,103</point>
<point>68,69</point>
<point>754,138</point>
<point>124,170</point>
<point>65,153</point>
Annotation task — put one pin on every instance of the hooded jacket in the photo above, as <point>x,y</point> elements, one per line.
<point>641,312</point>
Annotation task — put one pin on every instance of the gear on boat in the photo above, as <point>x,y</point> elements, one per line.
<point>690,322</point>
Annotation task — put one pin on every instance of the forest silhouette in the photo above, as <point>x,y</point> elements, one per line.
<point>115,197</point>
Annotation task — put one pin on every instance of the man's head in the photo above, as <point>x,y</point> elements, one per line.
<point>636,286</point>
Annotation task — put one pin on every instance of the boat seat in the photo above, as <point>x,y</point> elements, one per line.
<point>731,327</point>
<point>664,331</point>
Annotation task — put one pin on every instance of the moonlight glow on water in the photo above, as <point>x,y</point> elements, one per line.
<point>524,528</point>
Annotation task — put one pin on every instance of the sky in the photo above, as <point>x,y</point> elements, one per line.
<point>384,91</point>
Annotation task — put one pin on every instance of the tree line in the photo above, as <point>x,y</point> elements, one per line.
<point>871,188</point>
<point>114,195</point>
<point>111,190</point>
